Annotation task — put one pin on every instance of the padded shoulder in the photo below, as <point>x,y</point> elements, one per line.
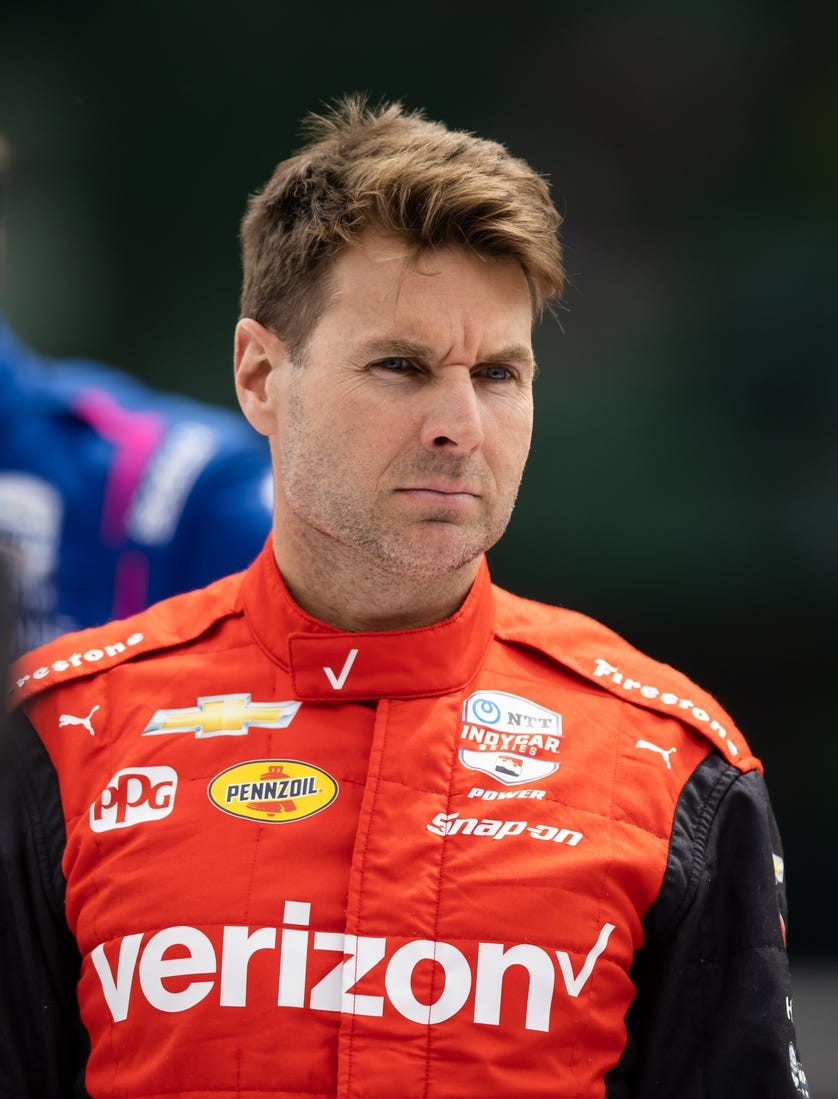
<point>165,625</point>
<point>603,658</point>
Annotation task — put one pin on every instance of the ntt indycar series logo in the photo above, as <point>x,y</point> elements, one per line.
<point>275,791</point>
<point>510,738</point>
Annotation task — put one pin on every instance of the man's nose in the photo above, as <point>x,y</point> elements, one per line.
<point>453,419</point>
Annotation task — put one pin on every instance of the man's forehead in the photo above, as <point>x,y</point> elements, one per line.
<point>383,286</point>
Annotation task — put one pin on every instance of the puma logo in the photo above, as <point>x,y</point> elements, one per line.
<point>71,719</point>
<point>665,752</point>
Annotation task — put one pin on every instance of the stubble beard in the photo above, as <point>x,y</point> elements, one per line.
<point>361,539</point>
<point>373,542</point>
<point>427,550</point>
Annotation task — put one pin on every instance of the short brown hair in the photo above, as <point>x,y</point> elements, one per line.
<point>386,169</point>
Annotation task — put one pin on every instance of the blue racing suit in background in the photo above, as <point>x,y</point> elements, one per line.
<point>114,495</point>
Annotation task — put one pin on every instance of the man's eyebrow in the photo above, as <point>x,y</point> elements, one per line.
<point>412,349</point>
<point>513,353</point>
<point>397,345</point>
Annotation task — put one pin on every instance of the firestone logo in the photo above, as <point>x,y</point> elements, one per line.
<point>78,660</point>
<point>134,795</point>
<point>603,669</point>
<point>371,975</point>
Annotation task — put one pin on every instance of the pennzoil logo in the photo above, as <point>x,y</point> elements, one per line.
<point>509,737</point>
<point>273,791</point>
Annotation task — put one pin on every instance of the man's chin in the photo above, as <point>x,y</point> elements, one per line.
<point>435,551</point>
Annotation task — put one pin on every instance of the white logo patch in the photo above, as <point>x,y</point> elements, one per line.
<point>133,796</point>
<point>779,867</point>
<point>510,738</point>
<point>798,1076</point>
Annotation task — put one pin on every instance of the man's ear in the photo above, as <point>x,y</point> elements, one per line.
<point>257,353</point>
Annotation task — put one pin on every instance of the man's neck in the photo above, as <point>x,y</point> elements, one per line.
<point>353,593</point>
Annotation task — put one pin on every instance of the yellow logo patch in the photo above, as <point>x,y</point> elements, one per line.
<point>223,715</point>
<point>274,791</point>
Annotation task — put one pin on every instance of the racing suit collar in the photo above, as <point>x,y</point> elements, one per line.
<point>328,664</point>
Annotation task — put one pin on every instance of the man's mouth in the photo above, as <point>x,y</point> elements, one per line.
<point>441,494</point>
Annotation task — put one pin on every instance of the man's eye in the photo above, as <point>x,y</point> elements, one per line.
<point>393,364</point>
<point>496,372</point>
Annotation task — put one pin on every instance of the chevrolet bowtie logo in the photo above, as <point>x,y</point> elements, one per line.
<point>223,715</point>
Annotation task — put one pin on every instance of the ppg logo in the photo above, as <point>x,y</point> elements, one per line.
<point>134,796</point>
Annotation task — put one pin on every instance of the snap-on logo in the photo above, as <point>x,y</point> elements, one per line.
<point>510,738</point>
<point>134,795</point>
<point>452,824</point>
<point>273,791</point>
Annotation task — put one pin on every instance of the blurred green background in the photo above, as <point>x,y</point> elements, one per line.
<point>684,475</point>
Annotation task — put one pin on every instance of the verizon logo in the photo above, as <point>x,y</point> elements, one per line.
<point>178,967</point>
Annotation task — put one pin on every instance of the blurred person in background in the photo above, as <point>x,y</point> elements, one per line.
<point>357,822</point>
<point>114,495</point>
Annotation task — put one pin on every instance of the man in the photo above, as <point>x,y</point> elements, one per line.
<point>355,822</point>
<point>112,495</point>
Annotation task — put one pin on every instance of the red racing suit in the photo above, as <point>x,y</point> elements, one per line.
<point>503,855</point>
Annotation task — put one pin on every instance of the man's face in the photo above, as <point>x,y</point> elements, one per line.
<point>402,436</point>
